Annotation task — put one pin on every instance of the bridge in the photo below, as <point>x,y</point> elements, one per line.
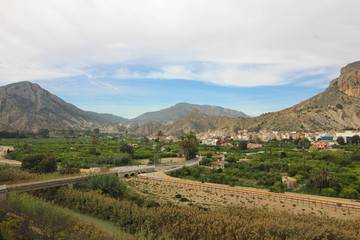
<point>24,187</point>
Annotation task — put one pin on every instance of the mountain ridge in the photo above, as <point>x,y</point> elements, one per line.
<point>179,110</point>
<point>335,108</point>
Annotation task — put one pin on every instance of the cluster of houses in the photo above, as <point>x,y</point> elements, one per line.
<point>324,140</point>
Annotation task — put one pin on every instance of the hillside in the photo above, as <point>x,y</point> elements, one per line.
<point>336,108</point>
<point>181,109</point>
<point>194,121</point>
<point>26,106</point>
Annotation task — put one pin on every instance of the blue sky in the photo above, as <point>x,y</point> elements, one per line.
<point>131,57</point>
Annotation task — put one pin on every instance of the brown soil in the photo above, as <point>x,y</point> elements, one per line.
<point>166,191</point>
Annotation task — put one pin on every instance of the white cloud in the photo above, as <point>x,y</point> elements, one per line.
<point>47,39</point>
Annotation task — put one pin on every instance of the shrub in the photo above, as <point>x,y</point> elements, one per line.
<point>107,184</point>
<point>330,192</point>
<point>12,174</point>
<point>39,163</point>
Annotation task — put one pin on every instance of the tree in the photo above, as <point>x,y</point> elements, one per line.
<point>159,135</point>
<point>156,159</point>
<point>304,143</point>
<point>126,148</point>
<point>242,145</point>
<point>70,166</point>
<point>323,178</point>
<point>188,145</point>
<point>39,163</point>
<point>97,131</point>
<point>355,139</point>
<point>44,133</point>
<point>231,160</point>
<point>340,140</point>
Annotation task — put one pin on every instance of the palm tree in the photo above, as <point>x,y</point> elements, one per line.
<point>323,178</point>
<point>188,145</point>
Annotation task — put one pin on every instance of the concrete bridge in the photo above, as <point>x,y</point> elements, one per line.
<point>24,187</point>
<point>131,170</point>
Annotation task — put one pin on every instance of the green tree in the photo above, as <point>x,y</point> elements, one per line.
<point>231,160</point>
<point>242,145</point>
<point>340,140</point>
<point>126,148</point>
<point>44,133</point>
<point>70,166</point>
<point>39,163</point>
<point>156,159</point>
<point>323,178</point>
<point>188,145</point>
<point>304,143</point>
<point>355,139</point>
<point>97,131</point>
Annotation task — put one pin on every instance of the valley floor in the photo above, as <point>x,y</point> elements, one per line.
<point>190,195</point>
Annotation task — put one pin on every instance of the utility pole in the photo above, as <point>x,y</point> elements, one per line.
<point>304,162</point>
<point>271,161</point>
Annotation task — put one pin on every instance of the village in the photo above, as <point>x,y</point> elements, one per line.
<point>322,140</point>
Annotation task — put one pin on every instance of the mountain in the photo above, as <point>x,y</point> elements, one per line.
<point>25,106</point>
<point>195,121</point>
<point>105,117</point>
<point>181,109</point>
<point>336,108</point>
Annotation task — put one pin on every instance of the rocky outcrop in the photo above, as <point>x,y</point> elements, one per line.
<point>349,80</point>
<point>336,108</point>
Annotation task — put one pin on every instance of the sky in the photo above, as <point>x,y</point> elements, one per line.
<point>136,56</point>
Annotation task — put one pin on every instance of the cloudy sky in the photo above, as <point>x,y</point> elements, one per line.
<point>130,57</point>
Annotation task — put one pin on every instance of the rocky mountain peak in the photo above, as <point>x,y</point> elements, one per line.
<point>349,79</point>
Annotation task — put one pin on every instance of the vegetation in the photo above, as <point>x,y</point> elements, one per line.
<point>218,223</point>
<point>188,145</point>
<point>33,218</point>
<point>39,163</point>
<point>107,184</point>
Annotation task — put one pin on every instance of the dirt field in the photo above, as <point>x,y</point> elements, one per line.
<point>165,192</point>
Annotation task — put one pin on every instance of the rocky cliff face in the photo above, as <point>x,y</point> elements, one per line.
<point>25,106</point>
<point>336,108</point>
<point>349,80</point>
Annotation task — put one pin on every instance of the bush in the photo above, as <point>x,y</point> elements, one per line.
<point>107,184</point>
<point>12,174</point>
<point>329,192</point>
<point>349,193</point>
<point>39,163</point>
<point>278,187</point>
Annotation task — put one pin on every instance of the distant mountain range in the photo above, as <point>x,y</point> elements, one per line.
<point>181,109</point>
<point>25,106</point>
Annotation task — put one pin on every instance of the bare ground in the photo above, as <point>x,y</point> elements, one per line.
<point>165,191</point>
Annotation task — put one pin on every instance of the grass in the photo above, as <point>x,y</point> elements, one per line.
<point>108,226</point>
